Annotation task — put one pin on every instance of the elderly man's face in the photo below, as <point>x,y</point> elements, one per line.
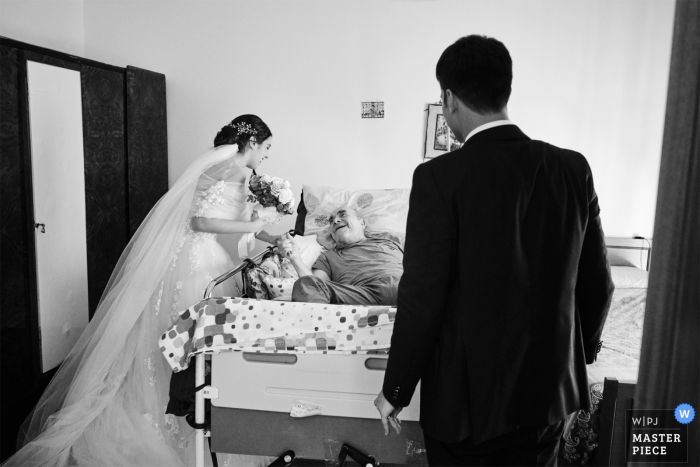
<point>345,227</point>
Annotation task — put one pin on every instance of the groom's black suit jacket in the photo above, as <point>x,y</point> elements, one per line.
<point>505,289</point>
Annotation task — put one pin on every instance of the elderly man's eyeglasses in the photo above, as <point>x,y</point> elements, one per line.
<point>340,215</point>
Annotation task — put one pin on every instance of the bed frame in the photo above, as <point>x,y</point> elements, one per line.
<point>635,251</point>
<point>349,427</point>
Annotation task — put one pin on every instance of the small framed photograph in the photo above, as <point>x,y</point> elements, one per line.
<point>373,110</point>
<point>439,139</point>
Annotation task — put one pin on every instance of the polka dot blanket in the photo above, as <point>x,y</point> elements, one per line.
<point>218,324</point>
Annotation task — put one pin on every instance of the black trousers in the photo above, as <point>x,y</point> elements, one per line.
<point>526,446</point>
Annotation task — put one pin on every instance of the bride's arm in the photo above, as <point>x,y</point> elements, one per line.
<point>223,226</point>
<point>267,237</point>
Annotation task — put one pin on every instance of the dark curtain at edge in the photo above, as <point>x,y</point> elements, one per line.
<point>669,372</point>
<point>147,151</point>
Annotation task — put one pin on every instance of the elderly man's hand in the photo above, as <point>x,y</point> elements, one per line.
<point>287,247</point>
<point>388,413</point>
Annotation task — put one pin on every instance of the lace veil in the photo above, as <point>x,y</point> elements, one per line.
<point>105,405</point>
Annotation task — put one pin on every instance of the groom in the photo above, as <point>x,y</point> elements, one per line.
<point>506,285</point>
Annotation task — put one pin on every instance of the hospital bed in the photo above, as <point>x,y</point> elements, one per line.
<point>260,386</point>
<point>253,392</point>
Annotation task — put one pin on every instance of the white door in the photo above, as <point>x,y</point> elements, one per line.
<point>58,181</point>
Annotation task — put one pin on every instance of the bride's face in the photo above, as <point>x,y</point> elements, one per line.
<point>259,152</point>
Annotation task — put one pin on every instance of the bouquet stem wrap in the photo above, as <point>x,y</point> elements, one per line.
<point>273,200</point>
<point>246,244</point>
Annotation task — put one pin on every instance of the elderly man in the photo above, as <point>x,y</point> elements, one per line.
<point>363,269</point>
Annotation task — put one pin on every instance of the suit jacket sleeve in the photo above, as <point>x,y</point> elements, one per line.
<point>594,286</point>
<point>428,275</point>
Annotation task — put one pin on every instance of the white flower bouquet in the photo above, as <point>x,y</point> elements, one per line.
<point>273,196</point>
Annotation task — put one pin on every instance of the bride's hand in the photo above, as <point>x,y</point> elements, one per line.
<point>257,222</point>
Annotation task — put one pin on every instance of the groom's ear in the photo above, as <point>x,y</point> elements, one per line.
<point>450,100</point>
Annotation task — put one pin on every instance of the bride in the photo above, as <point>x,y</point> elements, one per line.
<point>106,404</point>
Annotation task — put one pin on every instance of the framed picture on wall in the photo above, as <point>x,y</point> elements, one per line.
<point>439,139</point>
<point>373,110</point>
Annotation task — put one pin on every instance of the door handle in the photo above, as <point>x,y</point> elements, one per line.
<point>43,227</point>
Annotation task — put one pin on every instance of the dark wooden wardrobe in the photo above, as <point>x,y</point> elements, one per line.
<point>126,172</point>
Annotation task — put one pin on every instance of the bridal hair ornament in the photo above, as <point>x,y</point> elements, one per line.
<point>243,128</point>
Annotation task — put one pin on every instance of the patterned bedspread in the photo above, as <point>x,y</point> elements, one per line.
<point>218,324</point>
<point>618,358</point>
<point>622,338</point>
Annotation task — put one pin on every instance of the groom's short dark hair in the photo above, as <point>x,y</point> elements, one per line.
<point>479,71</point>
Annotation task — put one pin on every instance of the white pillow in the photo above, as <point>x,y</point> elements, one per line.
<point>616,259</point>
<point>384,211</point>
<point>625,277</point>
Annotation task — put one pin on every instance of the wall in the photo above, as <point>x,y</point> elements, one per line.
<point>589,75</point>
<point>54,24</point>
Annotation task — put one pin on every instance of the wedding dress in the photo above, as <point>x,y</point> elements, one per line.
<point>106,404</point>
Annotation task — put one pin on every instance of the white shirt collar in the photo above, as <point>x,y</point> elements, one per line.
<point>486,126</point>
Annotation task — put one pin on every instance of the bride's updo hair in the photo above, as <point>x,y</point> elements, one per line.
<point>241,130</point>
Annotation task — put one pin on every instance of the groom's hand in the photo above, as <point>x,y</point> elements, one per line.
<point>388,413</point>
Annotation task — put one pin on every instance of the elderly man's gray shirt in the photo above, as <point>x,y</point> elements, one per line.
<point>362,262</point>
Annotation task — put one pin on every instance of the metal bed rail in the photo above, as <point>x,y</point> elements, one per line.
<point>641,248</point>
<point>210,287</point>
